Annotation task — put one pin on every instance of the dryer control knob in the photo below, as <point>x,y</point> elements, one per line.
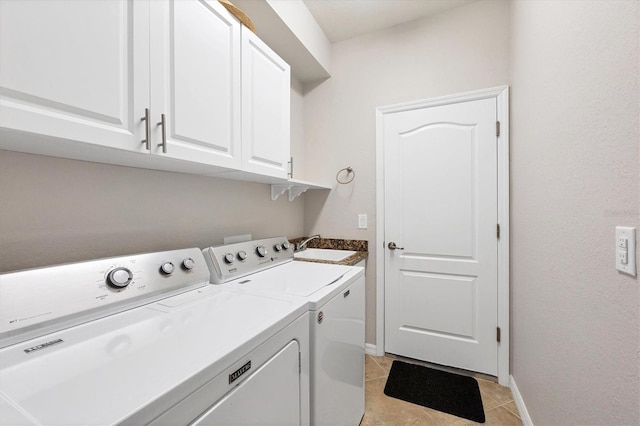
<point>167,268</point>
<point>286,245</point>
<point>119,277</point>
<point>277,247</point>
<point>188,263</point>
<point>262,251</point>
<point>228,258</point>
<point>242,255</point>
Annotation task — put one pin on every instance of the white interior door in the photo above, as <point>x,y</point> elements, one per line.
<point>440,183</point>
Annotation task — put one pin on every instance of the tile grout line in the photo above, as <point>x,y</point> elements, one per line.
<point>384,373</point>
<point>376,378</point>
<point>374,360</point>
<point>504,406</point>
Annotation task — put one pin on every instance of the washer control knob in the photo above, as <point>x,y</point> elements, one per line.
<point>228,258</point>
<point>286,245</point>
<point>262,251</point>
<point>277,247</point>
<point>167,268</point>
<point>242,255</point>
<point>119,277</point>
<point>188,263</point>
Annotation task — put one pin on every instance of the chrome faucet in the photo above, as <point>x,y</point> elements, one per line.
<point>303,245</point>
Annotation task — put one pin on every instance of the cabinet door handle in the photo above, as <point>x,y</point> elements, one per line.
<point>164,133</point>
<point>147,128</point>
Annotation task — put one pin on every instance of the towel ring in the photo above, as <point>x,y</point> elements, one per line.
<point>349,171</point>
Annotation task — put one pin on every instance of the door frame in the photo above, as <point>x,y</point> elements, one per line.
<point>501,94</point>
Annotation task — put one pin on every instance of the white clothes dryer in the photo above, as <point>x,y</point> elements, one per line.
<point>335,297</point>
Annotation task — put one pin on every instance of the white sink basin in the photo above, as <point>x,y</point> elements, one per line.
<point>323,254</point>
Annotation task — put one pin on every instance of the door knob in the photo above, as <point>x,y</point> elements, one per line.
<point>393,246</point>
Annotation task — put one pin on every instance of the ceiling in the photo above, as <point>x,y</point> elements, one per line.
<point>344,19</point>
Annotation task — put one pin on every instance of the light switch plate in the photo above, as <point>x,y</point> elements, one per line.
<point>362,221</point>
<point>626,250</point>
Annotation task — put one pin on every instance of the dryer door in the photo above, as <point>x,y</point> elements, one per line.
<point>271,396</point>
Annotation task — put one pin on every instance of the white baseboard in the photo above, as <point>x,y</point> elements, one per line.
<point>370,349</point>
<point>517,398</point>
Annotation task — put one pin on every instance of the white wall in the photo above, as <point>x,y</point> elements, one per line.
<point>575,176</point>
<point>459,50</point>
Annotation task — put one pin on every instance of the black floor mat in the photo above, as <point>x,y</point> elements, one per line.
<point>440,390</point>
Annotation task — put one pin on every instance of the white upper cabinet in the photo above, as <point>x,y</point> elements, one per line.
<point>266,91</point>
<point>78,78</point>
<point>195,81</point>
<point>76,70</point>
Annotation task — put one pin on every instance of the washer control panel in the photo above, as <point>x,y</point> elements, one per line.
<point>46,299</point>
<point>232,261</point>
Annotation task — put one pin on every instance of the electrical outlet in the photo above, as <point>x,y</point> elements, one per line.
<point>626,250</point>
<point>362,221</point>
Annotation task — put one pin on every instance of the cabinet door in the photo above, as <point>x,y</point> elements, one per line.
<point>74,70</point>
<point>266,98</point>
<point>195,81</point>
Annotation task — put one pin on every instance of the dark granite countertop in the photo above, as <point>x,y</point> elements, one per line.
<point>359,246</point>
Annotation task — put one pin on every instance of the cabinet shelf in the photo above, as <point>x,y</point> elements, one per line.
<point>295,188</point>
<point>278,185</point>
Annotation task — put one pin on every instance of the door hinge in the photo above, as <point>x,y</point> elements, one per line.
<point>498,231</point>
<point>497,128</point>
<point>498,334</point>
<point>290,162</point>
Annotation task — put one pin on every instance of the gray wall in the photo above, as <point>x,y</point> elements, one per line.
<point>460,50</point>
<point>574,177</point>
<point>54,210</point>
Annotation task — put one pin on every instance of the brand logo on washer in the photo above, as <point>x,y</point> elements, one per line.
<point>239,372</point>
<point>42,346</point>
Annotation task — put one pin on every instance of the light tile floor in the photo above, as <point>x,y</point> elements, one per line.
<point>381,410</point>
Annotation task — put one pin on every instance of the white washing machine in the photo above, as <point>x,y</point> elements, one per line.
<point>144,339</point>
<point>335,296</point>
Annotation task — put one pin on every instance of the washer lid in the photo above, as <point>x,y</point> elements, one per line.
<point>108,370</point>
<point>294,278</point>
